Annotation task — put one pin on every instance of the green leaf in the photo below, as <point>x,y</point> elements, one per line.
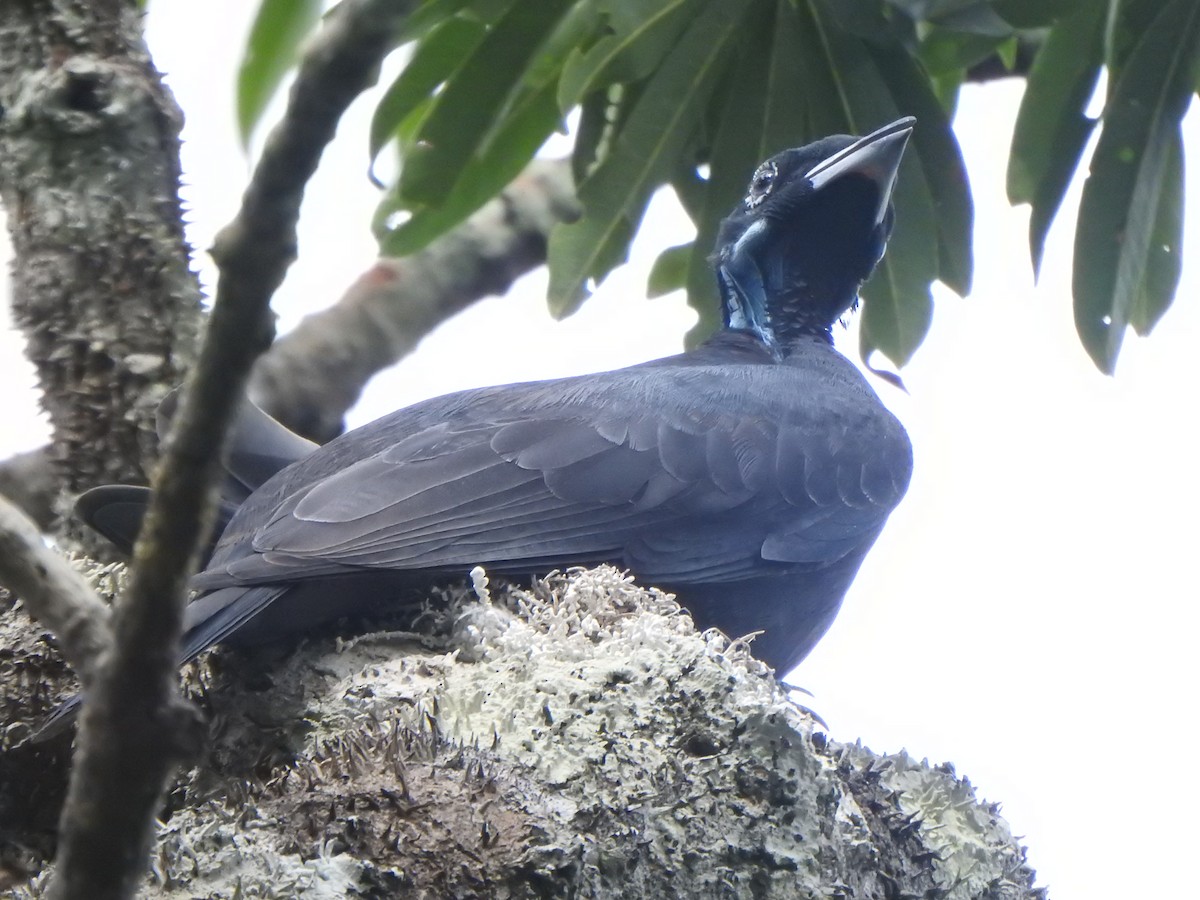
<point>936,149</point>
<point>432,62</point>
<point>643,155</point>
<point>669,272</point>
<point>944,51</point>
<point>1164,260</point>
<point>967,17</point>
<point>632,51</point>
<point>1038,13</point>
<point>619,104</point>
<point>1007,52</point>
<point>946,88</point>
<point>272,49</point>
<point>498,162</point>
<point>475,99</point>
<point>426,17</point>
<point>691,190</point>
<point>1128,22</point>
<point>1052,128</point>
<point>590,134</point>
<point>876,20</point>
<point>1121,206</point>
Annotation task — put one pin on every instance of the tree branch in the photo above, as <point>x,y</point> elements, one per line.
<point>56,594</point>
<point>130,730</point>
<point>313,374</point>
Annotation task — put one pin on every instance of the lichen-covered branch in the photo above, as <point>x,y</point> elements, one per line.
<point>312,375</point>
<point>89,176</point>
<point>54,592</point>
<point>575,738</point>
<point>133,728</point>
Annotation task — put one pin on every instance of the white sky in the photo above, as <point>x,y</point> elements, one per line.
<point>1031,611</point>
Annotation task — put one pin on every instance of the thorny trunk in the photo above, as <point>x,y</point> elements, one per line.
<point>89,175</point>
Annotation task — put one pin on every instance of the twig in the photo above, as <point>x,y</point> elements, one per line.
<point>130,729</point>
<point>56,594</point>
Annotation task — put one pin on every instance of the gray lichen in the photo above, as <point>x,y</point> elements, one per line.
<point>577,738</point>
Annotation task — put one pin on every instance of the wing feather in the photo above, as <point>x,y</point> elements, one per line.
<point>517,477</point>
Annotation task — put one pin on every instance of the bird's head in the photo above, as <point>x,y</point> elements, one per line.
<point>814,222</point>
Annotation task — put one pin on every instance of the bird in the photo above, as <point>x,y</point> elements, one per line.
<point>749,475</point>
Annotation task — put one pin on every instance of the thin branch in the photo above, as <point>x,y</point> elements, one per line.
<point>56,594</point>
<point>132,730</point>
<point>313,374</point>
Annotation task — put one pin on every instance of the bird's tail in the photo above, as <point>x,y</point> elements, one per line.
<point>208,620</point>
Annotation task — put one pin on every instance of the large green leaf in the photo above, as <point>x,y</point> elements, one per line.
<point>475,99</point>
<point>643,155</point>
<point>965,16</point>
<point>876,20</point>
<point>1039,13</point>
<point>669,272</point>
<point>591,131</point>
<point>433,61</point>
<point>272,49</point>
<point>1121,206</point>
<point>1052,128</point>
<point>1128,21</point>
<point>944,51</point>
<point>1164,259</point>
<point>602,116</point>
<point>427,17</point>
<point>635,47</point>
<point>496,163</point>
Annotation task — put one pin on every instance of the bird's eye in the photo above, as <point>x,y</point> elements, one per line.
<point>761,184</point>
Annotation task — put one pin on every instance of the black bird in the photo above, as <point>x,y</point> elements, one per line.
<point>750,475</point>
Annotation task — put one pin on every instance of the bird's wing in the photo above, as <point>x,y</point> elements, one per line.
<point>676,497</point>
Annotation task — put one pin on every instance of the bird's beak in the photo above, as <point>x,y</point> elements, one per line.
<point>876,156</point>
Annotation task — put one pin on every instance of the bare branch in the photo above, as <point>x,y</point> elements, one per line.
<point>130,729</point>
<point>312,375</point>
<point>56,594</point>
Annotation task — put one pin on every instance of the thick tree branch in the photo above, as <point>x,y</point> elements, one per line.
<point>312,375</point>
<point>101,284</point>
<point>55,593</point>
<point>130,729</point>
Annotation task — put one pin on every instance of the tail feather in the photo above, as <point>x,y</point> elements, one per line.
<point>207,621</point>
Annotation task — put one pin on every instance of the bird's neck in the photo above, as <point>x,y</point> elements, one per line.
<point>804,312</point>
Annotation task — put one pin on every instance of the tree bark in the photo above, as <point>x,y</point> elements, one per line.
<point>89,176</point>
